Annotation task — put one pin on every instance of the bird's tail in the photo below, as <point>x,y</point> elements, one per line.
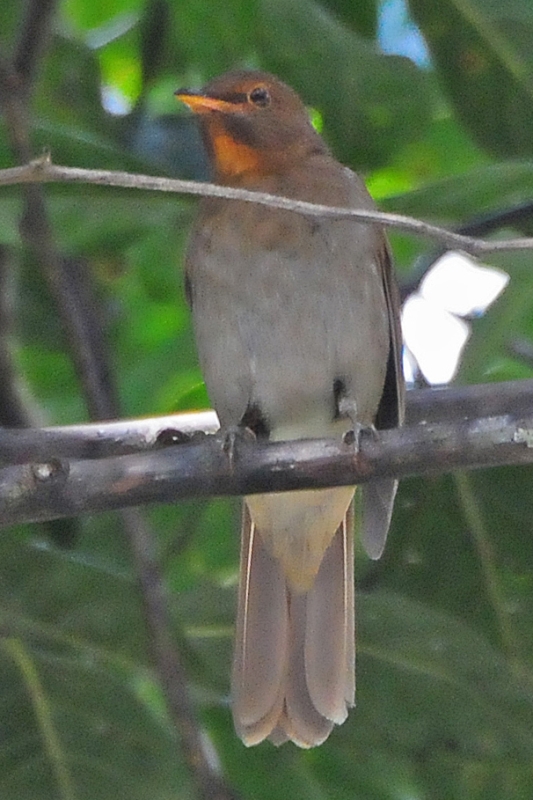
<point>294,664</point>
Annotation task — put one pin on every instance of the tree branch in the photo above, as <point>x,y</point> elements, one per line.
<point>15,410</point>
<point>58,488</point>
<point>99,439</point>
<point>43,171</point>
<point>104,439</point>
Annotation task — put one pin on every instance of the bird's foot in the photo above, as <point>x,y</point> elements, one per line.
<point>347,407</point>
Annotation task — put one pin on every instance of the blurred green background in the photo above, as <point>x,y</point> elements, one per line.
<point>445,619</point>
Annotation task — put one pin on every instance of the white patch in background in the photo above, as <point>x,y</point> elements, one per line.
<point>461,285</point>
<point>114,102</point>
<point>434,333</point>
<point>435,338</point>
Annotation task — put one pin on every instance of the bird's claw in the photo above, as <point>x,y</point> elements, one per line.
<point>348,408</point>
<point>355,435</point>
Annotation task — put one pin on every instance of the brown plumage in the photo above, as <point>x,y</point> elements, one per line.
<point>297,327</point>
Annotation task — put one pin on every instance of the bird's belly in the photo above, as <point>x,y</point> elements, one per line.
<point>285,329</point>
<point>280,332</point>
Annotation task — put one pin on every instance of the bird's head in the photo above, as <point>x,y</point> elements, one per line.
<point>253,124</point>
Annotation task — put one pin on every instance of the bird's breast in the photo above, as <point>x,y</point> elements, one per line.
<point>283,307</point>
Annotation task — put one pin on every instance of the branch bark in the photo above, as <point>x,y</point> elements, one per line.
<point>105,439</point>
<point>58,487</point>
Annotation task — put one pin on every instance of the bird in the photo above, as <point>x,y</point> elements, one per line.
<point>297,327</point>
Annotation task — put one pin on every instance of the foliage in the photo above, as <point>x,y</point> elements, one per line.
<point>445,680</point>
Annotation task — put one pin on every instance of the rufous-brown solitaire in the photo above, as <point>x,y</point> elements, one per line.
<point>297,325</point>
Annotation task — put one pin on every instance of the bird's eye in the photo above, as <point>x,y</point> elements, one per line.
<point>259,97</point>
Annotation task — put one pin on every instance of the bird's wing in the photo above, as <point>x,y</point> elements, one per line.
<point>378,496</point>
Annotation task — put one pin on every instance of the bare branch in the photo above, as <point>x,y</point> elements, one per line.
<point>58,488</point>
<point>98,439</point>
<point>15,410</point>
<point>43,171</point>
<point>463,403</point>
<point>124,437</point>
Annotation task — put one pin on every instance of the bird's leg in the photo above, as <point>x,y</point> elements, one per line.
<point>232,437</point>
<point>346,407</point>
<point>251,427</point>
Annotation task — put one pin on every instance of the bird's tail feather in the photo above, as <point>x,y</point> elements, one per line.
<point>378,501</point>
<point>294,664</point>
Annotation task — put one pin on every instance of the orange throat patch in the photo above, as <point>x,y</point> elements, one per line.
<point>233,158</point>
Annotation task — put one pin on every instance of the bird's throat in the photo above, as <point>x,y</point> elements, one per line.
<point>232,158</point>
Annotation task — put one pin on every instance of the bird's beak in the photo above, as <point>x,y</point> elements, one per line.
<point>201,103</point>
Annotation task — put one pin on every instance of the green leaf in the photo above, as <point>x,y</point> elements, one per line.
<point>10,16</point>
<point>457,198</point>
<point>75,720</point>
<point>361,16</point>
<point>209,38</point>
<point>372,104</point>
<point>489,353</point>
<point>484,54</point>
<point>86,16</point>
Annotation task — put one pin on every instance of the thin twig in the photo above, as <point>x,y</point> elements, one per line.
<point>16,84</point>
<point>43,171</point>
<point>496,220</point>
<point>480,225</point>
<point>91,350</point>
<point>15,411</point>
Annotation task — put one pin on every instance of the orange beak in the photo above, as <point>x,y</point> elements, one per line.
<point>201,103</point>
